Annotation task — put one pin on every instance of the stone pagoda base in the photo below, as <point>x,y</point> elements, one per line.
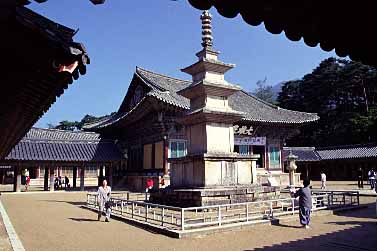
<point>195,197</point>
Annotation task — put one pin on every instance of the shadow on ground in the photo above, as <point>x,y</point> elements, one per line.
<point>83,219</point>
<point>360,236</point>
<point>75,203</point>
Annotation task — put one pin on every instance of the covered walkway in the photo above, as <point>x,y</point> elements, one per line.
<point>47,152</point>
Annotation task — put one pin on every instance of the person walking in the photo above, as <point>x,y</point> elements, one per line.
<point>27,183</point>
<point>360,178</point>
<point>323,180</point>
<point>104,195</point>
<point>304,203</point>
<point>371,178</point>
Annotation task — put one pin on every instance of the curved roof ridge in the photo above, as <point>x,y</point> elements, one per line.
<point>99,121</point>
<point>60,130</point>
<point>299,147</point>
<point>372,144</point>
<point>57,134</point>
<point>162,75</point>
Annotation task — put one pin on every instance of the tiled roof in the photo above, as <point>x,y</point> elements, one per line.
<point>256,110</point>
<point>38,43</point>
<point>58,145</point>
<point>333,153</point>
<point>303,153</point>
<point>348,152</point>
<point>54,134</point>
<point>165,88</point>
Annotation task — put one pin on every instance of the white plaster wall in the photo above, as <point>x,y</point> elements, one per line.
<point>220,138</point>
<point>244,172</point>
<point>214,77</point>
<point>212,173</point>
<point>219,103</point>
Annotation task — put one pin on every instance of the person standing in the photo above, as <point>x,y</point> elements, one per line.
<point>66,182</point>
<point>360,178</point>
<point>371,178</point>
<point>27,183</point>
<point>304,203</point>
<point>323,180</point>
<point>104,195</point>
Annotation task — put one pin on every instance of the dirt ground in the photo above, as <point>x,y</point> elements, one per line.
<point>54,221</point>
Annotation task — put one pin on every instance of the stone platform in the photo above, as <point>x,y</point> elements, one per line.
<point>196,197</point>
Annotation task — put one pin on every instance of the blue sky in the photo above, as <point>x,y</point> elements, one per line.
<point>163,36</point>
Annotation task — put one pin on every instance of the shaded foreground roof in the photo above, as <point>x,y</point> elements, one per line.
<point>42,60</point>
<point>165,88</point>
<point>333,153</point>
<point>64,146</point>
<point>346,26</point>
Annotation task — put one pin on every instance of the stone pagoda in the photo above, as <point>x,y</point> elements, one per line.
<point>211,173</point>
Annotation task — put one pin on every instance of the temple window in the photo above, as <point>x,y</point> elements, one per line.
<point>177,148</point>
<point>274,154</point>
<point>244,150</point>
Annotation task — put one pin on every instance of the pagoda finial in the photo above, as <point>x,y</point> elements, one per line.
<point>207,38</point>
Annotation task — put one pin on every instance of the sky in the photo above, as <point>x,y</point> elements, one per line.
<point>163,36</point>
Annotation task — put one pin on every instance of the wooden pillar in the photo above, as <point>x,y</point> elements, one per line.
<point>74,177</point>
<point>45,179</point>
<point>166,156</point>
<point>82,178</point>
<point>17,179</point>
<point>111,174</point>
<point>52,178</point>
<point>36,172</point>
<point>100,179</point>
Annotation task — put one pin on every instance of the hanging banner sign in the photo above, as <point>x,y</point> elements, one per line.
<point>250,141</point>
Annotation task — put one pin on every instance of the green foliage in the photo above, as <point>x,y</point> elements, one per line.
<point>344,94</point>
<point>77,125</point>
<point>264,91</point>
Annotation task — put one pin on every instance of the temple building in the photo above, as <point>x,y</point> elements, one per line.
<point>152,124</point>
<point>337,162</point>
<point>84,157</point>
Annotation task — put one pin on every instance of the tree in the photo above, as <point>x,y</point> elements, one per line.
<point>344,94</point>
<point>77,125</point>
<point>264,91</point>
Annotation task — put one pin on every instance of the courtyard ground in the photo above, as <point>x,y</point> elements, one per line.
<point>4,240</point>
<point>55,221</point>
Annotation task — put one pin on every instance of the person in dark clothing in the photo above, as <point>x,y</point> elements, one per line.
<point>56,183</point>
<point>66,182</point>
<point>360,178</point>
<point>304,203</point>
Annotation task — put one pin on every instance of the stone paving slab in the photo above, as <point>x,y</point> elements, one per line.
<point>55,221</point>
